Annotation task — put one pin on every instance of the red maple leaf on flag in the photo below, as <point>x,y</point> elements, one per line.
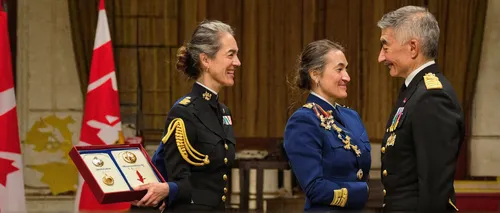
<point>7,168</point>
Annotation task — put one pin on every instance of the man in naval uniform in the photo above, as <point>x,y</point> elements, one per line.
<point>426,127</point>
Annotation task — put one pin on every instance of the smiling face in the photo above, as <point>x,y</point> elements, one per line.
<point>333,79</point>
<point>221,68</point>
<point>395,55</point>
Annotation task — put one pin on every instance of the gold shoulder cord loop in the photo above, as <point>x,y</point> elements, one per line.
<point>183,143</point>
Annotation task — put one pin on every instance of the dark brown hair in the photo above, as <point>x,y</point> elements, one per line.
<point>313,57</point>
<point>205,39</point>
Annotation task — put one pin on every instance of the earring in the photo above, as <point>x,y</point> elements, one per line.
<point>317,83</point>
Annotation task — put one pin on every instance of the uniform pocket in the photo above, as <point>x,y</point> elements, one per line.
<point>206,141</point>
<point>205,197</point>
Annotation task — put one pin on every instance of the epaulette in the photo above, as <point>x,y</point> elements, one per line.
<point>308,105</point>
<point>185,101</point>
<point>182,141</point>
<point>432,82</point>
<point>340,105</point>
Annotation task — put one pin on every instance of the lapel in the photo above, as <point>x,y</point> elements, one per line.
<point>433,68</point>
<point>206,107</point>
<point>335,113</point>
<point>327,107</point>
<point>408,93</point>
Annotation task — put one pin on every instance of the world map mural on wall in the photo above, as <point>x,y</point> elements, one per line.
<point>48,168</point>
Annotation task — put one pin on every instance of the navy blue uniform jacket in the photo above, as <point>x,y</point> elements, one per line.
<point>196,158</point>
<point>330,158</point>
<point>421,146</point>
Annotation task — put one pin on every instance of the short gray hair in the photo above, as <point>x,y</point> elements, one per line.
<point>412,22</point>
<point>205,39</point>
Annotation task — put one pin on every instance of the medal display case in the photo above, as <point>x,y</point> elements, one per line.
<point>113,171</point>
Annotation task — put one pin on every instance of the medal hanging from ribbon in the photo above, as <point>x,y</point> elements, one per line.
<point>328,122</point>
<point>395,119</point>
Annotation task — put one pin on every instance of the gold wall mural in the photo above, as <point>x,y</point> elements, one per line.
<point>48,168</point>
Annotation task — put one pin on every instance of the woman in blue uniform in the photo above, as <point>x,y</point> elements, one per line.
<point>327,144</point>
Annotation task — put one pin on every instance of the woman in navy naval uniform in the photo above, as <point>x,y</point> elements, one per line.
<point>198,147</point>
<point>327,144</point>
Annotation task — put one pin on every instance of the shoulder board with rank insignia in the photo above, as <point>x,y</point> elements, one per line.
<point>308,105</point>
<point>432,82</point>
<point>185,101</point>
<point>344,106</point>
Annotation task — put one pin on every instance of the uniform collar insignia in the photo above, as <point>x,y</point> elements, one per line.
<point>207,96</point>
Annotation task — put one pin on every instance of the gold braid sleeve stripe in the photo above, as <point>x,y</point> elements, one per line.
<point>183,144</point>
<point>339,197</point>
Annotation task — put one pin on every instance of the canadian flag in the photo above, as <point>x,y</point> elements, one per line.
<point>11,166</point>
<point>101,124</point>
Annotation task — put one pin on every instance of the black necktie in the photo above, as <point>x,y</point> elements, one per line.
<point>403,88</point>
<point>401,91</point>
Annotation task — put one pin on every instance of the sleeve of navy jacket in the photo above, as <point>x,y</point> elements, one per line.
<point>169,162</point>
<point>304,142</point>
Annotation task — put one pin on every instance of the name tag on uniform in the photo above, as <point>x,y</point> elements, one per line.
<point>226,120</point>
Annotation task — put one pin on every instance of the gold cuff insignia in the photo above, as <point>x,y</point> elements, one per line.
<point>339,197</point>
<point>183,144</point>
<point>432,82</point>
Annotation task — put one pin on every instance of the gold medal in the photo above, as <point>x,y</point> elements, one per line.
<point>391,139</point>
<point>129,157</point>
<point>108,180</point>
<point>97,162</point>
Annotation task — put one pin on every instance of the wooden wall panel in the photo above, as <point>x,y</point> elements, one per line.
<point>245,117</point>
<point>375,77</point>
<point>270,35</point>
<point>151,31</point>
<point>125,31</point>
<point>265,59</point>
<point>127,77</point>
<point>126,7</point>
<point>171,22</point>
<point>295,39</point>
<point>308,18</point>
